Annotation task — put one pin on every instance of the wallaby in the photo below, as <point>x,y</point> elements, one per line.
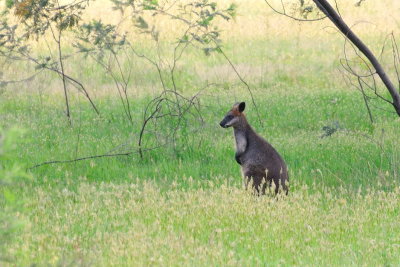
<point>259,161</point>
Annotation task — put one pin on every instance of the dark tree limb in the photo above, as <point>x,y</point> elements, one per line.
<point>365,100</point>
<point>89,157</point>
<point>63,76</point>
<point>147,119</point>
<point>30,78</point>
<point>78,85</point>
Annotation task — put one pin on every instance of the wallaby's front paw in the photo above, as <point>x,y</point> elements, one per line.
<point>237,157</point>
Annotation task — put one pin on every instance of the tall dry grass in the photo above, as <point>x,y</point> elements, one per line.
<point>136,224</point>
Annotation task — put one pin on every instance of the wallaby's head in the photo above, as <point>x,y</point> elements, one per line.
<point>235,116</point>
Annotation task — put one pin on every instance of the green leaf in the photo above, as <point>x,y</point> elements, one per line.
<point>150,4</point>
<point>10,3</point>
<point>141,23</point>
<point>43,3</point>
<point>232,10</point>
<point>184,39</point>
<point>206,21</point>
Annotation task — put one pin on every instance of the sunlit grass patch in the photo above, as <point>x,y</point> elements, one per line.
<point>106,224</point>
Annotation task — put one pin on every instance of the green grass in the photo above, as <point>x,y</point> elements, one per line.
<point>357,154</point>
<point>187,206</point>
<point>183,204</point>
<point>134,223</point>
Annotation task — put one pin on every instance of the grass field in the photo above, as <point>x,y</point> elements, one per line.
<point>184,204</point>
<point>136,224</point>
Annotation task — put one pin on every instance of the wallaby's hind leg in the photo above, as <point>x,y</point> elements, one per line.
<point>260,184</point>
<point>276,182</point>
<point>266,182</point>
<point>269,184</point>
<point>249,180</point>
<point>264,186</point>
<point>257,185</point>
<point>281,182</point>
<point>285,187</point>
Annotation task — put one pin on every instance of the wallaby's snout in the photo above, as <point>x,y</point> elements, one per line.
<point>233,116</point>
<point>225,123</point>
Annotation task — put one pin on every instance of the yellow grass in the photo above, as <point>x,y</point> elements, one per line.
<point>256,20</point>
<point>137,224</point>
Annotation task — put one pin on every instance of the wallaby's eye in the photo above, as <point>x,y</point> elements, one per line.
<point>229,117</point>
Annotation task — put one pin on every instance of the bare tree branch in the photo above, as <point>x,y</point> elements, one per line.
<point>90,157</point>
<point>342,26</point>
<point>365,100</point>
<point>336,18</point>
<point>30,78</point>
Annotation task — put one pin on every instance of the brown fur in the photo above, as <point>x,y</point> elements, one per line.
<point>235,110</point>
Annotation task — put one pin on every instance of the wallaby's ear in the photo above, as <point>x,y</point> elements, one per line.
<point>242,106</point>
